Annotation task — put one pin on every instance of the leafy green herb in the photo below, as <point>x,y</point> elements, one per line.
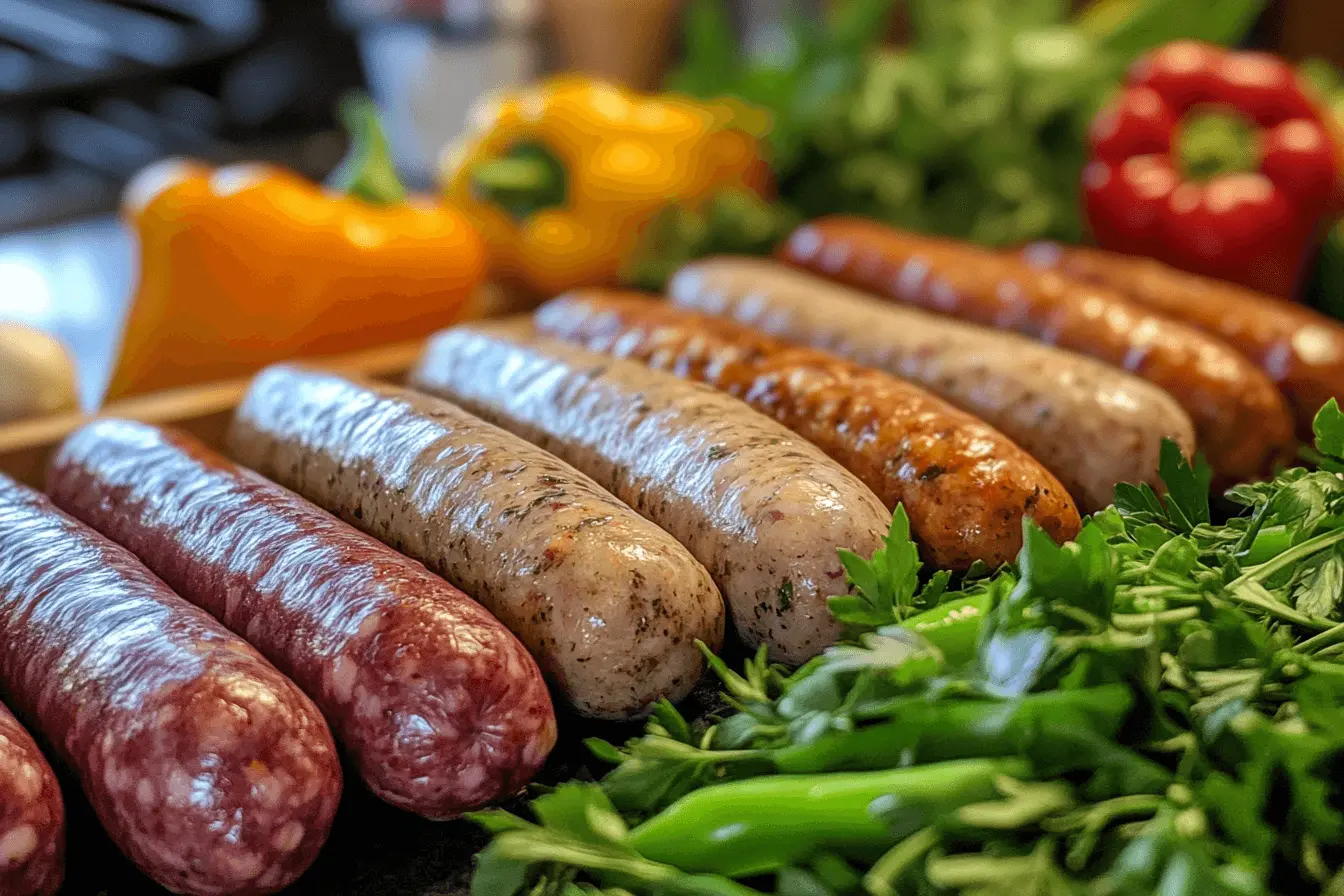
<point>1329,429</point>
<point>885,585</point>
<point>1156,707</point>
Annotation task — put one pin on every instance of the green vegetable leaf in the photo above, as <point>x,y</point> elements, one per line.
<point>709,54</point>
<point>1187,486</point>
<point>1147,24</point>
<point>885,585</point>
<point>1329,429</point>
<point>1322,586</point>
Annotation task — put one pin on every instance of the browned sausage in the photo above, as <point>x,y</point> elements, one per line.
<point>436,702</point>
<point>964,485</point>
<point>1241,422</point>
<point>209,768</point>
<point>1090,424</point>
<point>32,816</point>
<point>1301,349</point>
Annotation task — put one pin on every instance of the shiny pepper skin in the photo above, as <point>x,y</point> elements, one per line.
<point>250,264</point>
<point>1253,227</point>
<point>561,176</point>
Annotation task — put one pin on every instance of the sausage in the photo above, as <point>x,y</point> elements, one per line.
<point>208,768</point>
<point>1091,425</point>
<point>1300,349</point>
<point>964,486</point>
<point>440,708</point>
<point>761,508</point>
<point>32,815</point>
<point>1241,422</point>
<point>609,605</point>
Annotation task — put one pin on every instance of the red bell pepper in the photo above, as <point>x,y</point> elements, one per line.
<point>1255,226</point>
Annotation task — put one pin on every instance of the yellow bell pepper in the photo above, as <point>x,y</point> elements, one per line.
<point>560,177</point>
<point>250,264</point>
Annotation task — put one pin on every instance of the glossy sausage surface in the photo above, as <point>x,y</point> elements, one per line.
<point>965,486</point>
<point>610,605</point>
<point>1299,348</point>
<point>438,705</point>
<point>32,815</point>
<point>1241,421</point>
<point>209,768</point>
<point>763,509</point>
<point>1090,424</point>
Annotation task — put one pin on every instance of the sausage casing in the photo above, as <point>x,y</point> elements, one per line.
<point>209,768</point>
<point>965,486</point>
<point>608,604</point>
<point>437,704</point>
<point>1090,424</point>
<point>761,508</point>
<point>32,815</point>
<point>1241,422</point>
<point>1300,349</point>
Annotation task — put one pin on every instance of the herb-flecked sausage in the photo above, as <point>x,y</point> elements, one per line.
<point>438,705</point>
<point>1241,421</point>
<point>32,815</point>
<point>1090,424</point>
<point>763,509</point>
<point>609,605</point>
<point>1300,349</point>
<point>965,486</point>
<point>208,768</point>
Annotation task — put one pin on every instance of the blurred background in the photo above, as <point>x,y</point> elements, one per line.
<point>92,90</point>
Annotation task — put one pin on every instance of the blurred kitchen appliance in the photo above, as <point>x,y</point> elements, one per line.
<point>428,62</point>
<point>91,90</point>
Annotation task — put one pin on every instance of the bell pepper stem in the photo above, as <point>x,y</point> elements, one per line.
<point>367,172</point>
<point>525,180</point>
<point>1214,143</point>
<point>513,175</point>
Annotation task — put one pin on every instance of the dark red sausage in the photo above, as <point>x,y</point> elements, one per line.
<point>209,768</point>
<point>32,816</point>
<point>439,705</point>
<point>1241,422</point>
<point>1302,350</point>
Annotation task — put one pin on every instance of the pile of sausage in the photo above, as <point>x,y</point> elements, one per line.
<point>582,500</point>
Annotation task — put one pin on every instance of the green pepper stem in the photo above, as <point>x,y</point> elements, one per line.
<point>1209,144</point>
<point>512,175</point>
<point>367,172</point>
<point>525,180</point>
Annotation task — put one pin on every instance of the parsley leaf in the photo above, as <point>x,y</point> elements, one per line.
<point>885,585</point>
<point>1187,485</point>
<point>1329,429</point>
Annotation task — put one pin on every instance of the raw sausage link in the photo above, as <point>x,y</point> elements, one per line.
<point>209,768</point>
<point>1301,349</point>
<point>761,508</point>
<point>1241,422</point>
<point>965,486</point>
<point>438,705</point>
<point>608,604</point>
<point>1089,424</point>
<point>32,816</point>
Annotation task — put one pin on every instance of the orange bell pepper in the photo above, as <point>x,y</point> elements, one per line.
<point>250,264</point>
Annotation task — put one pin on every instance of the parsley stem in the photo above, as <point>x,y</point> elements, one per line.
<point>1288,557</point>
<point>880,879</point>
<point>1325,639</point>
<point>1137,622</point>
<point>1250,594</point>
